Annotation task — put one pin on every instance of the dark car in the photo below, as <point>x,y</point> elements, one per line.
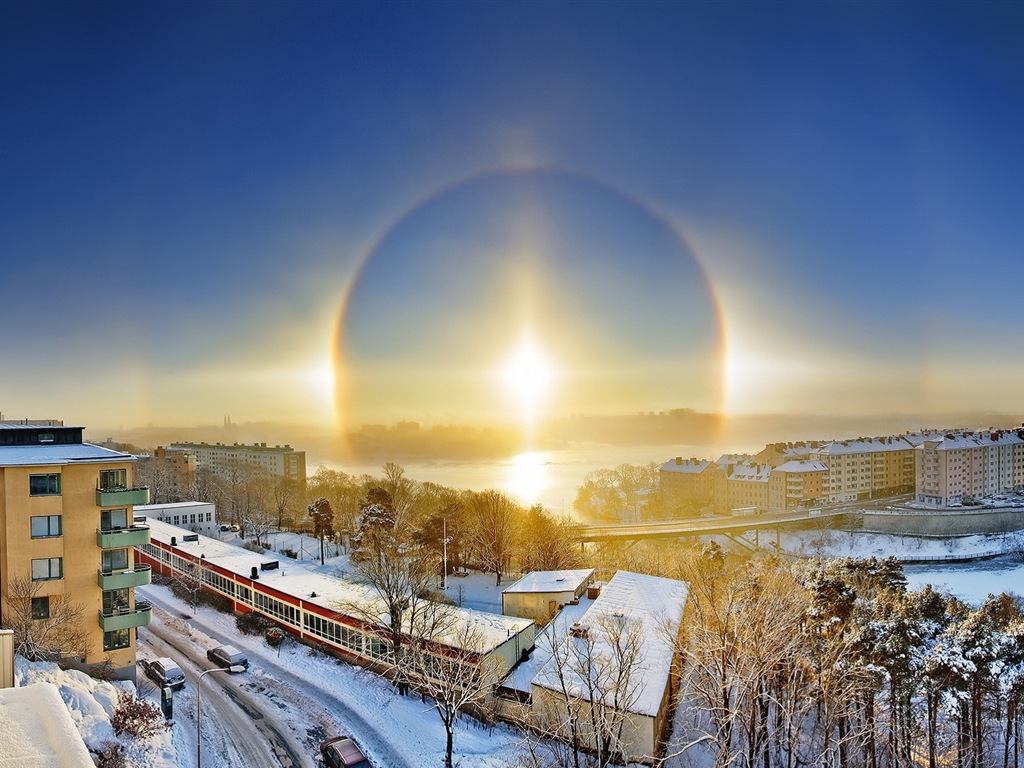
<point>342,752</point>
<point>164,673</point>
<point>227,656</point>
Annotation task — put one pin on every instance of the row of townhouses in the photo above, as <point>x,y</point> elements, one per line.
<point>941,469</point>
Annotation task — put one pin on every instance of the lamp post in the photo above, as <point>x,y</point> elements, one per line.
<point>444,545</point>
<point>199,682</point>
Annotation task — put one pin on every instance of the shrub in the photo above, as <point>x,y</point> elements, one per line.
<point>252,624</point>
<point>111,754</point>
<point>274,637</point>
<point>254,547</point>
<point>289,553</point>
<point>137,718</point>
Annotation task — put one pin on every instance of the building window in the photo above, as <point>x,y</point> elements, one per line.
<point>47,568</point>
<point>44,485</point>
<point>114,560</point>
<point>115,601</point>
<point>40,607</point>
<point>113,519</point>
<point>113,479</point>
<point>45,526</point>
<point>119,638</point>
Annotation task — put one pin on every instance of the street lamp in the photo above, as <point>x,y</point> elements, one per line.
<point>445,538</point>
<point>199,681</point>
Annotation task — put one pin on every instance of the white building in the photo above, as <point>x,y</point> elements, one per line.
<point>196,516</point>
<point>634,614</point>
<point>277,460</point>
<point>541,594</point>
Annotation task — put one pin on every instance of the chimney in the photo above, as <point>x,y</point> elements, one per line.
<point>679,459</point>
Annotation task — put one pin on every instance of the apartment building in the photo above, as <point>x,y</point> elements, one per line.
<point>957,466</point>
<point>168,473</point>
<point>67,534</point>
<point>687,485</point>
<point>277,460</point>
<point>867,468</point>
<point>797,484</point>
<point>742,486</point>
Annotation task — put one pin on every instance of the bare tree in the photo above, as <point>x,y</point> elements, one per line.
<point>284,494</point>
<point>46,627</point>
<point>495,521</point>
<point>187,583</point>
<point>448,663</point>
<point>592,685</point>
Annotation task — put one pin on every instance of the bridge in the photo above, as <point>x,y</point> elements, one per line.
<point>674,529</point>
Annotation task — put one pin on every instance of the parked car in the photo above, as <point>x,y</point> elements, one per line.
<point>342,752</point>
<point>227,656</point>
<point>164,673</point>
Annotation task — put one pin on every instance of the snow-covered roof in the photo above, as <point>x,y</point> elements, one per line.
<point>750,473</point>
<point>691,466</point>
<point>37,731</point>
<point>951,441</point>
<point>654,607</point>
<point>53,454</point>
<point>733,458</point>
<point>143,508</point>
<point>469,630</point>
<point>866,445</point>
<point>795,467</point>
<point>552,581</point>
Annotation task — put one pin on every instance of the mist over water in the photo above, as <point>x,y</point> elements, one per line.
<point>547,477</point>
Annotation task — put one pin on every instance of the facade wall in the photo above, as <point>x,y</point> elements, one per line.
<point>535,605</point>
<point>279,461</point>
<point>76,547</point>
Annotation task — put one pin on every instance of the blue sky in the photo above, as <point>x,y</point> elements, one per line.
<point>187,190</point>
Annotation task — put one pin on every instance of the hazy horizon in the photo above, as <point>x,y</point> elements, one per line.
<point>342,214</point>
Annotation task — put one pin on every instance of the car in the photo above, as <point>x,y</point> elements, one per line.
<point>227,656</point>
<point>342,752</point>
<point>164,672</point>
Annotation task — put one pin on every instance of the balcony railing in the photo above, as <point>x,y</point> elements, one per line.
<point>115,538</point>
<point>139,576</point>
<point>126,618</point>
<point>119,496</point>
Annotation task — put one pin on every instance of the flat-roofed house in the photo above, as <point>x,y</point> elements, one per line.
<point>540,594</point>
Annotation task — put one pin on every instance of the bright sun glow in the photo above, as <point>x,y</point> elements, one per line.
<point>528,374</point>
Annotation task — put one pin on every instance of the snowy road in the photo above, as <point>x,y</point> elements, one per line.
<point>301,712</point>
<point>238,728</point>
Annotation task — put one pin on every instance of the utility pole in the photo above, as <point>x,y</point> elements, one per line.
<point>444,550</point>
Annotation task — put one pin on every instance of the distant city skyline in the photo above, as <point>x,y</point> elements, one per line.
<point>506,213</point>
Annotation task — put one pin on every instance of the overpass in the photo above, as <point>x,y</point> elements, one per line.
<point>674,529</point>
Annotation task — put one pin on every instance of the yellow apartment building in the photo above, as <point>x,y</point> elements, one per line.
<point>67,534</point>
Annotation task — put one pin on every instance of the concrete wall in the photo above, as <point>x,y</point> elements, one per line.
<point>952,523</point>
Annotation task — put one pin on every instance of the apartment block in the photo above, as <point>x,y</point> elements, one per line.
<point>868,468</point>
<point>67,533</point>
<point>797,485</point>
<point>742,486</point>
<point>957,466</point>
<point>687,485</point>
<point>277,460</point>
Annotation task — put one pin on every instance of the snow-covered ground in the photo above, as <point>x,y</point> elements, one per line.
<point>398,728</point>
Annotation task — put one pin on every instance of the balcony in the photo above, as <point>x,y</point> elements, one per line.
<point>115,538</point>
<point>122,497</point>
<point>140,576</point>
<point>126,618</point>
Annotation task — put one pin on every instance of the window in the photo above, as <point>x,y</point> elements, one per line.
<point>40,607</point>
<point>115,601</point>
<point>119,638</point>
<point>114,560</point>
<point>113,519</point>
<point>44,485</point>
<point>46,526</point>
<point>112,479</point>
<point>47,568</point>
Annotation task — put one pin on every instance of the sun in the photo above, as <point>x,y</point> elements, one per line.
<point>528,375</point>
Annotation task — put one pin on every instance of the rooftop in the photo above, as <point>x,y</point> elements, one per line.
<point>54,454</point>
<point>552,581</point>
